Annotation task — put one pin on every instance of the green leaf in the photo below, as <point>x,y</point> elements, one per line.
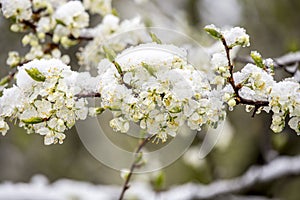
<point>213,31</point>
<point>125,173</point>
<point>99,110</point>
<point>155,38</point>
<point>118,67</point>
<point>113,109</point>
<point>110,54</point>
<point>33,120</point>
<point>176,109</point>
<point>158,181</point>
<point>149,69</point>
<point>4,80</point>
<point>35,74</point>
<point>256,57</point>
<point>58,21</point>
<point>114,12</point>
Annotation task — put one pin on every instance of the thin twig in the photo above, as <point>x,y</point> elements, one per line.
<point>134,165</point>
<point>93,94</point>
<point>236,88</point>
<point>285,61</point>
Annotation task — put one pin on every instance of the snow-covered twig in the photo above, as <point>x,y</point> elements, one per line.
<point>39,188</point>
<point>289,62</point>
<point>280,167</point>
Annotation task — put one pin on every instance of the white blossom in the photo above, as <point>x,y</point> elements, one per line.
<point>294,123</point>
<point>72,16</point>
<point>47,105</point>
<point>21,9</point>
<point>102,7</point>
<point>236,36</point>
<point>3,127</point>
<point>257,83</point>
<point>159,90</point>
<point>110,33</point>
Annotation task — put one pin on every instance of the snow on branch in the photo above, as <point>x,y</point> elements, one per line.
<point>280,167</point>
<point>39,188</point>
<point>289,62</point>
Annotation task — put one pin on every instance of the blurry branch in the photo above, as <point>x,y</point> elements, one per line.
<point>278,168</point>
<point>289,62</point>
<point>136,163</point>
<point>91,95</point>
<point>39,188</point>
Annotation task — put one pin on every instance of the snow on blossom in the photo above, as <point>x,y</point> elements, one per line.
<point>21,9</point>
<point>159,90</point>
<point>112,32</point>
<point>285,98</point>
<point>257,83</point>
<point>294,123</point>
<point>3,127</point>
<point>43,100</point>
<point>102,7</point>
<point>71,17</point>
<point>236,36</point>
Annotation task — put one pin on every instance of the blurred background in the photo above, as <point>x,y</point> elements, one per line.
<point>274,30</point>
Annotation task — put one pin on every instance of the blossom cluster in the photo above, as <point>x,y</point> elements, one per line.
<point>152,84</point>
<point>43,100</point>
<point>51,25</point>
<point>109,33</point>
<point>254,84</point>
<point>61,20</point>
<point>158,90</point>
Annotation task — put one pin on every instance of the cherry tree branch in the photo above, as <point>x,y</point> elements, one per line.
<point>135,164</point>
<point>278,168</point>
<point>93,95</point>
<point>226,189</point>
<point>287,61</point>
<point>236,88</point>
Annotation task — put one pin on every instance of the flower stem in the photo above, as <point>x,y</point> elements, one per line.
<point>134,165</point>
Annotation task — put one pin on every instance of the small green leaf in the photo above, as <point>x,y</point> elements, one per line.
<point>113,109</point>
<point>33,120</point>
<point>125,173</point>
<point>149,69</point>
<point>256,57</point>
<point>99,110</point>
<point>118,67</point>
<point>155,38</point>
<point>35,74</point>
<point>213,31</point>
<point>158,182</point>
<point>114,12</point>
<point>110,54</point>
<point>4,80</point>
<point>176,109</point>
<point>58,21</point>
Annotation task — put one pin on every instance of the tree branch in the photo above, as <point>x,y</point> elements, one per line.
<point>134,165</point>
<point>287,61</point>
<point>236,88</point>
<point>79,96</point>
<point>225,189</point>
<point>278,168</point>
